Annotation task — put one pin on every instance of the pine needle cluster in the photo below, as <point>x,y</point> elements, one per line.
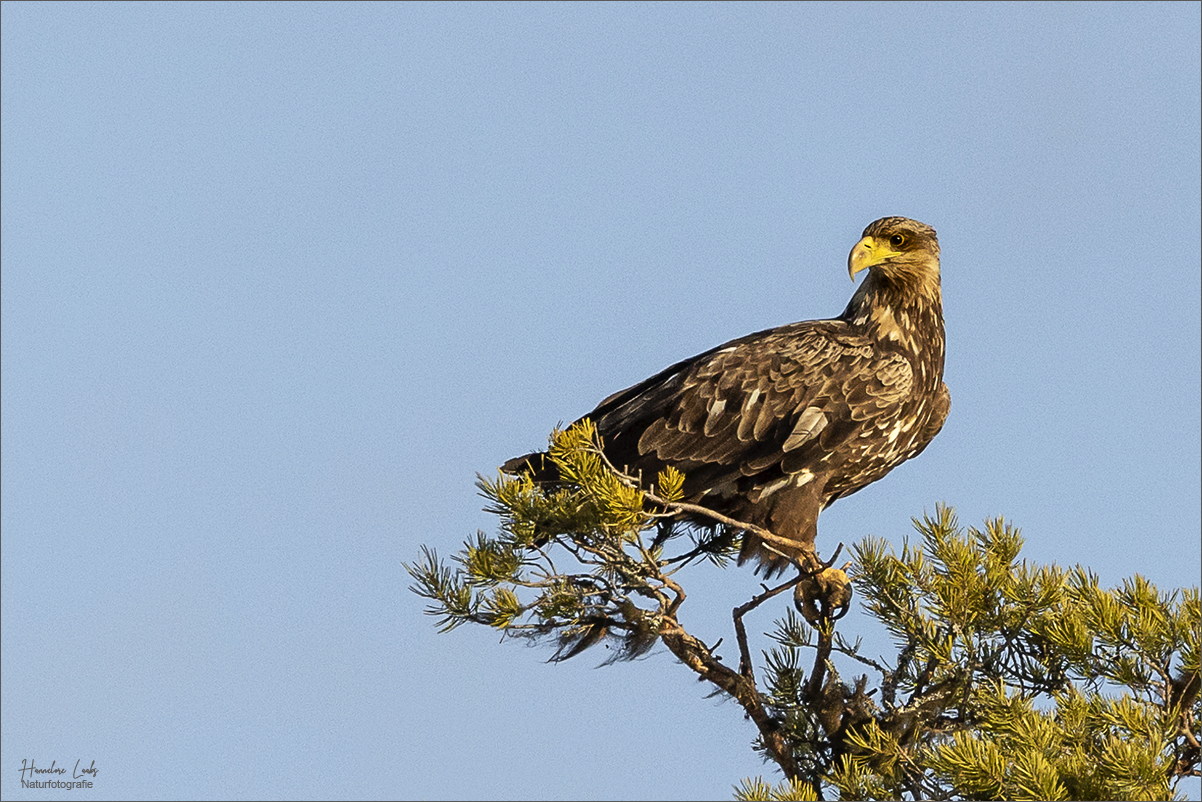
<point>619,588</point>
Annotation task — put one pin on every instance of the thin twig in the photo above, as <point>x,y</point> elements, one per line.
<point>745,664</point>
<point>696,509</point>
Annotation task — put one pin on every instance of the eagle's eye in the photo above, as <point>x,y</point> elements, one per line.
<point>897,240</point>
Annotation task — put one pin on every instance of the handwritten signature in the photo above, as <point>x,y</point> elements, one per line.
<point>28,766</point>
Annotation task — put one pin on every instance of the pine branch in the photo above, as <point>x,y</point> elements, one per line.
<point>1018,681</point>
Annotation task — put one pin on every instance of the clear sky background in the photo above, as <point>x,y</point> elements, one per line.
<point>279,280</point>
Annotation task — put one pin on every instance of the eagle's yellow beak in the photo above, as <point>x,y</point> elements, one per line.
<point>867,253</point>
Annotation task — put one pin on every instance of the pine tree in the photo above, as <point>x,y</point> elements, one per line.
<point>1010,681</point>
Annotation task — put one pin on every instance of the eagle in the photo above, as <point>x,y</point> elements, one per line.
<point>771,428</point>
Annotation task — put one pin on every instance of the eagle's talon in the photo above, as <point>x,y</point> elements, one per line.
<point>825,594</point>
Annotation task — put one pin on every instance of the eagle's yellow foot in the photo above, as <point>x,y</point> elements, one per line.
<point>824,594</point>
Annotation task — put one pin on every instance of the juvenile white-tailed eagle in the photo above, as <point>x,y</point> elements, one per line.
<point>771,428</point>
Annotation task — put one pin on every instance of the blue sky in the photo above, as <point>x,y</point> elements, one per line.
<point>279,280</point>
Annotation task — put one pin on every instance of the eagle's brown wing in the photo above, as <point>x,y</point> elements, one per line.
<point>761,425</point>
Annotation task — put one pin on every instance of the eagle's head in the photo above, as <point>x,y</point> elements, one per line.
<point>900,300</point>
<point>898,251</point>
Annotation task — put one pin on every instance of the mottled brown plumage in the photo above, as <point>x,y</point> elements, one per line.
<point>773,427</point>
